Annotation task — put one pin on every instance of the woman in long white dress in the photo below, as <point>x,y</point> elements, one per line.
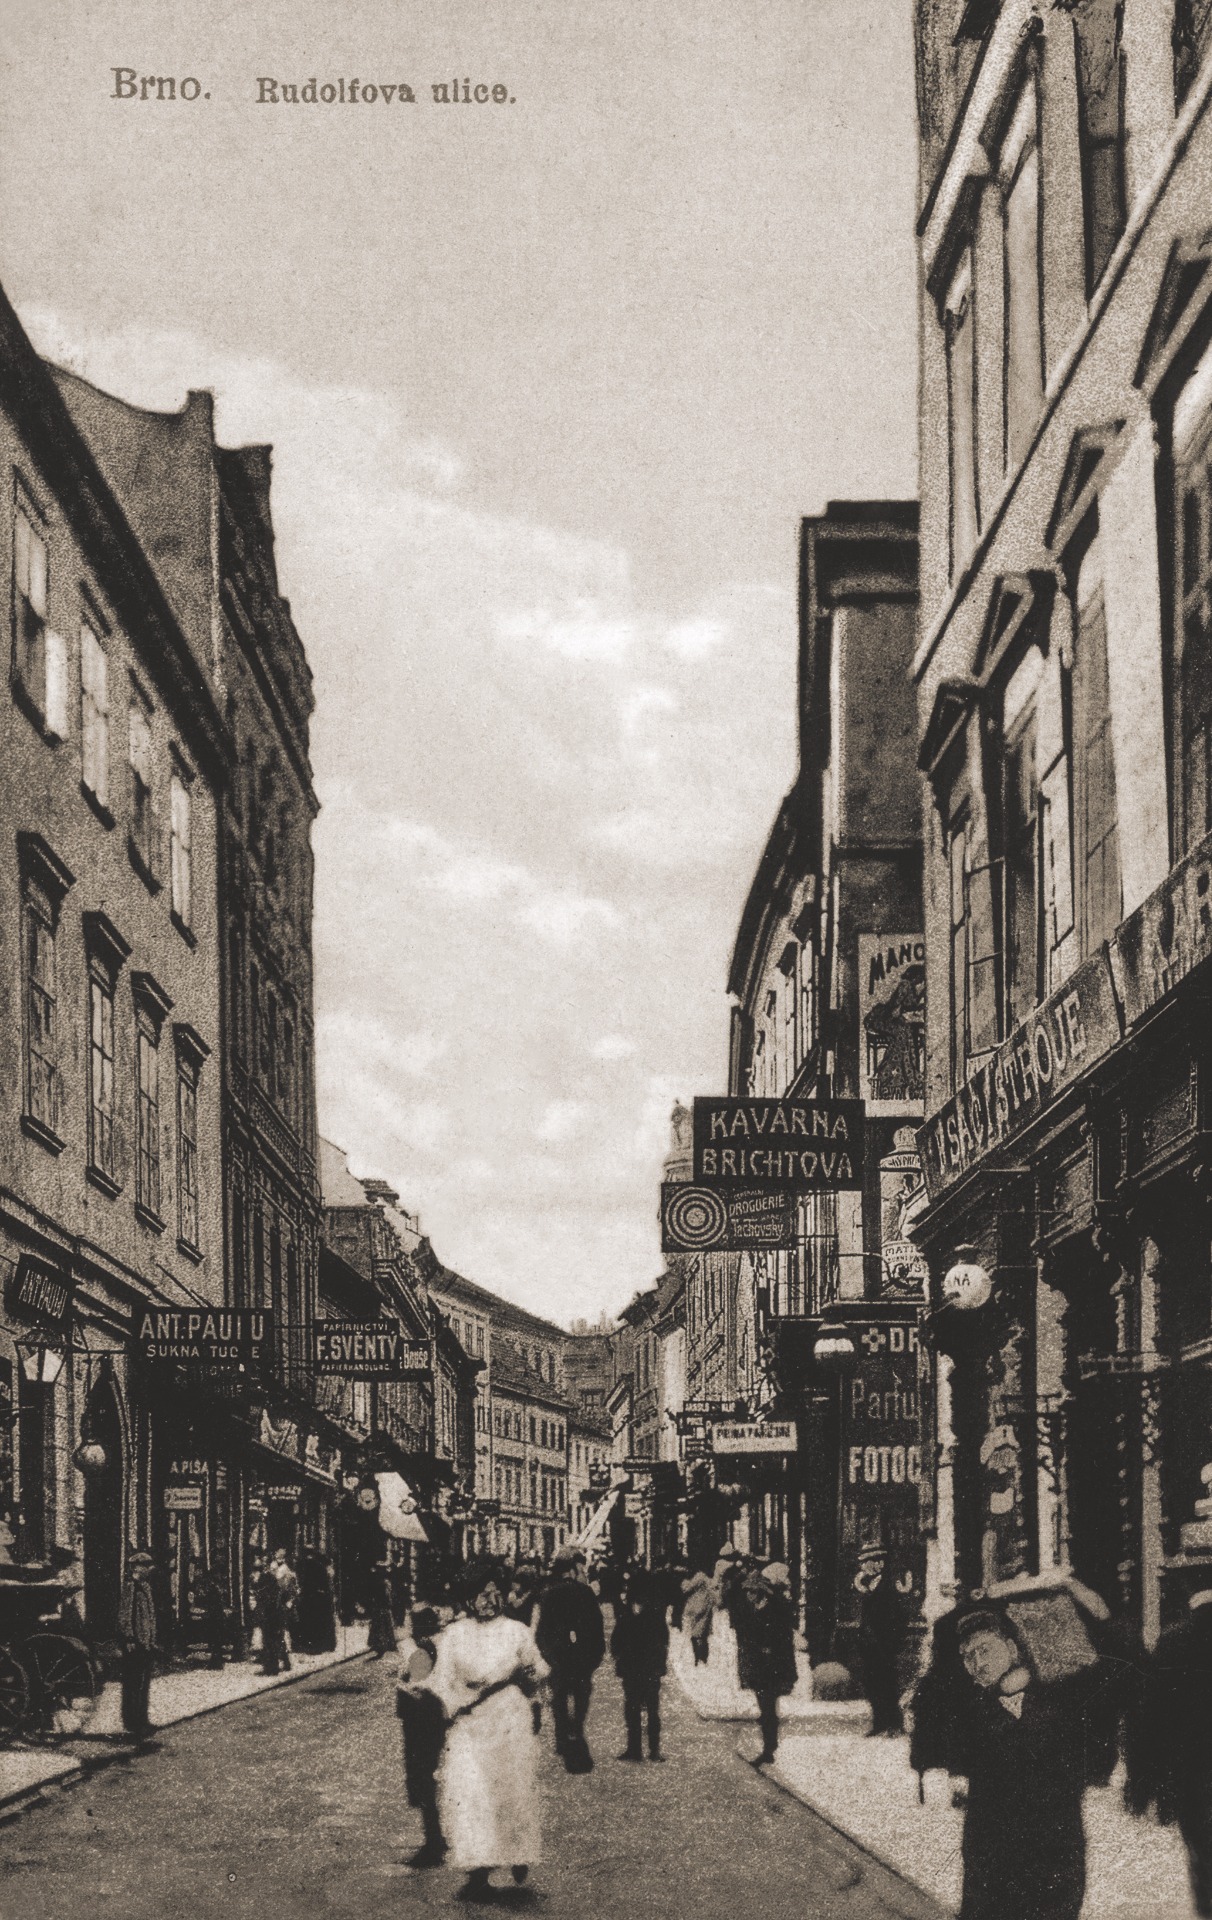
<point>487,1677</point>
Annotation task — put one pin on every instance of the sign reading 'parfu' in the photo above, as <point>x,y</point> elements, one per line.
<point>367,1350</point>
<point>805,1145</point>
<point>725,1220</point>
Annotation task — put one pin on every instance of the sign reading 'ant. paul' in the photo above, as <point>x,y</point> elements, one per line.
<point>218,1339</point>
<point>804,1144</point>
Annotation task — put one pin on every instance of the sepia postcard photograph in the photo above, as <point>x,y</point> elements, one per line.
<point>606,959</point>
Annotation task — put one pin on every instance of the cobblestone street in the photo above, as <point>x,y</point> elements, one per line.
<point>293,1804</point>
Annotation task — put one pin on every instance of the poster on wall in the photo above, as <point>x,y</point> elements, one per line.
<point>892,1023</point>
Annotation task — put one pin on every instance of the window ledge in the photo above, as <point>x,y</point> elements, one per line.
<point>44,1135</point>
<point>187,933</point>
<point>105,1182</point>
<point>98,805</point>
<point>190,1251</point>
<point>142,869</point>
<point>149,1218</point>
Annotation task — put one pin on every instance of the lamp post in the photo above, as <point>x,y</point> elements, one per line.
<point>42,1359</point>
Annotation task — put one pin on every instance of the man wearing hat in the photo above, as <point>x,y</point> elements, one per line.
<point>137,1630</point>
<point>572,1640</point>
<point>882,1628</point>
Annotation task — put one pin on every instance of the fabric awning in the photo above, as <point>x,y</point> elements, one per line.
<point>592,1533</point>
<point>398,1509</point>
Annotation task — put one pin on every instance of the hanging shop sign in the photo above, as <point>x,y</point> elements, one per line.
<point>1167,937</point>
<point>802,1145</point>
<point>367,1350</point>
<point>892,1022</point>
<point>215,1340</point>
<point>750,1436</point>
<point>882,1439</point>
<point>725,1219</point>
<point>1011,1087</point>
<point>42,1291</point>
<point>281,1496</point>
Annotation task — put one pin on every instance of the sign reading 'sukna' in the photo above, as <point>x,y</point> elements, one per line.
<point>1010,1087</point>
<point>805,1144</point>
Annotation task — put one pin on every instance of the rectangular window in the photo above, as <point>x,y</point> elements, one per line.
<point>1096,815</point>
<point>181,847</point>
<point>94,713</point>
<point>101,1153</point>
<point>187,1155</point>
<point>1021,830</point>
<point>1024,346</point>
<point>1097,26</point>
<point>43,1086</point>
<point>960,339</point>
<point>142,795</point>
<point>1191,677</point>
<point>39,654</point>
<point>147,1081</point>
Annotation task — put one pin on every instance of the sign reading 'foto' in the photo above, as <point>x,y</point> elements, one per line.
<point>1011,1087</point>
<point>804,1145</point>
<point>367,1350</point>
<point>748,1436</point>
<point>725,1220</point>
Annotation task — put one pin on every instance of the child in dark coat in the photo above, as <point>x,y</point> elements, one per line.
<point>423,1724</point>
<point>639,1647</point>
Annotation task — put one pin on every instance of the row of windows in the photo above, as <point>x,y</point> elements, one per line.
<point>42,678</point>
<point>267,1272</point>
<point>470,1334</point>
<point>546,1490</point>
<point>125,1033</point>
<point>785,1031</point>
<point>994,311</point>
<point>511,1424</point>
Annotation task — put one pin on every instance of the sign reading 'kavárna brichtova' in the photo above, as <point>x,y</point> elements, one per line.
<point>805,1144</point>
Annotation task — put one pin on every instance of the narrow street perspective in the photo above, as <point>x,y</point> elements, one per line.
<point>234,1817</point>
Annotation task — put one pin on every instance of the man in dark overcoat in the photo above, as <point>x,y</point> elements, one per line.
<point>572,1640</point>
<point>1170,1739</point>
<point>764,1619</point>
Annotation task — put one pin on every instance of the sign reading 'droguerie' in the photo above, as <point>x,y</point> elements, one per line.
<point>219,1339</point>
<point>725,1219</point>
<point>1167,936</point>
<point>751,1436</point>
<point>1011,1087</point>
<point>367,1350</point>
<point>804,1145</point>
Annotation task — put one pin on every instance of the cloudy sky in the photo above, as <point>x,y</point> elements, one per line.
<point>549,384</point>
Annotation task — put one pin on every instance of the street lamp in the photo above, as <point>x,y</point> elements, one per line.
<point>41,1361</point>
<point>966,1284</point>
<point>833,1350</point>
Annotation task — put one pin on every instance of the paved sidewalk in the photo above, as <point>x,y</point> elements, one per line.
<point>866,1789</point>
<point>714,1694</point>
<point>175,1696</point>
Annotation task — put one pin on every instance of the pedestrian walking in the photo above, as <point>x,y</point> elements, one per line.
<point>696,1614</point>
<point>423,1728</point>
<point>382,1636</point>
<point>765,1631</point>
<point>271,1618</point>
<point>882,1631</point>
<point>213,1602</point>
<point>523,1596</point>
<point>140,1638</point>
<point>487,1675</point>
<point>317,1622</point>
<point>1028,1752</point>
<point>1169,1745</point>
<point>726,1583</point>
<point>572,1640</point>
<point>639,1647</point>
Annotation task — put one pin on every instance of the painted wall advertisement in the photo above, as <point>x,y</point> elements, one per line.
<point>892,1023</point>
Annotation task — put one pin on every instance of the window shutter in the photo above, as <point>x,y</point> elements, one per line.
<point>984,890</point>
<point>54,711</point>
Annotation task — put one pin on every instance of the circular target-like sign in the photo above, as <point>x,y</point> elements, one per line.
<point>695,1218</point>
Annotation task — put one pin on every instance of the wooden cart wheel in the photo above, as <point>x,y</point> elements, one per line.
<point>63,1680</point>
<point>15,1695</point>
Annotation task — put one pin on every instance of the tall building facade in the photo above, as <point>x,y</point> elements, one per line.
<point>1063,671</point>
<point>114,754</point>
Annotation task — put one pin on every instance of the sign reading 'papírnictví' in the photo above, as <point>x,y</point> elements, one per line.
<point>1008,1090</point>
<point>802,1144</point>
<point>367,1350</point>
<point>225,1339</point>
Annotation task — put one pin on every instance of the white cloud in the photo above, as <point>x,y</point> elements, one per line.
<point>561,1120</point>
<point>613,1046</point>
<point>695,639</point>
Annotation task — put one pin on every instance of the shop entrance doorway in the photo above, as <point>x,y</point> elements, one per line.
<point>103,1512</point>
